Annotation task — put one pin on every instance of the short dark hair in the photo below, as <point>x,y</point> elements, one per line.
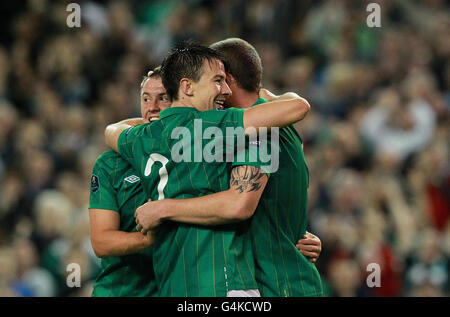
<point>243,62</point>
<point>185,60</point>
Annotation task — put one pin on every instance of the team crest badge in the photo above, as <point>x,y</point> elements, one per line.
<point>94,183</point>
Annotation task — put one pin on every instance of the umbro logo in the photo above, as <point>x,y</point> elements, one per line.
<point>132,179</point>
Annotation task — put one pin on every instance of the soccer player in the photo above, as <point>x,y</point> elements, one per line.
<point>115,194</point>
<point>281,215</point>
<point>195,260</point>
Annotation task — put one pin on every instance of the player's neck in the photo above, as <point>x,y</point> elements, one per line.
<point>243,99</point>
<point>179,104</point>
<point>182,102</point>
<point>187,102</point>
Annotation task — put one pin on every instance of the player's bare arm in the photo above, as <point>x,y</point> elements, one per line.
<point>280,111</point>
<point>310,246</point>
<point>236,204</point>
<point>114,130</point>
<point>107,240</point>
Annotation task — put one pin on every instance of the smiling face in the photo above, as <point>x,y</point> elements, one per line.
<point>153,99</point>
<point>211,90</point>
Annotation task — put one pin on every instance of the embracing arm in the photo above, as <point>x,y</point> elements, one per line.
<point>233,205</point>
<point>114,130</point>
<point>280,111</point>
<point>108,240</point>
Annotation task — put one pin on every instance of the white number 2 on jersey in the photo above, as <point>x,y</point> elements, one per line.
<point>163,175</point>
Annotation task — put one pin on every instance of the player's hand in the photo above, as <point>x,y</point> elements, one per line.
<point>266,94</point>
<point>147,217</point>
<point>148,239</point>
<point>310,246</point>
<point>148,75</point>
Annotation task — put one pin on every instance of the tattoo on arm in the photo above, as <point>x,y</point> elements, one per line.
<point>246,178</point>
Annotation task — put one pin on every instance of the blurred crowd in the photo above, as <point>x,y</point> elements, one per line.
<point>376,140</point>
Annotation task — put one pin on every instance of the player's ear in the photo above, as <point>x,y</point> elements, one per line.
<point>186,87</point>
<point>230,80</point>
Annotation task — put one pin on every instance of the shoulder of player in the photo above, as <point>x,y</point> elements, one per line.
<point>143,130</point>
<point>110,168</point>
<point>217,114</point>
<point>109,160</point>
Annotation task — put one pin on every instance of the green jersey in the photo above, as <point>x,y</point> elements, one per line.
<point>191,260</point>
<point>280,220</point>
<point>116,186</point>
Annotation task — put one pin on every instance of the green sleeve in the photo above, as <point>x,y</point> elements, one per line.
<point>250,155</point>
<point>231,117</point>
<point>234,118</point>
<point>127,141</point>
<point>102,193</point>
